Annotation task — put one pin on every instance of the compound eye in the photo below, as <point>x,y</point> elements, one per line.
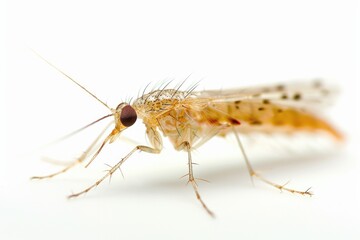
<point>128,116</point>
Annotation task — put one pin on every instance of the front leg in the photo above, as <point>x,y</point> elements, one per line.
<point>155,141</point>
<point>186,145</point>
<point>81,158</point>
<point>117,166</point>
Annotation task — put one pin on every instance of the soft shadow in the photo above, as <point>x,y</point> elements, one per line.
<point>233,174</point>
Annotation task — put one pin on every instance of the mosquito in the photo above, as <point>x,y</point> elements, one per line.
<point>189,118</point>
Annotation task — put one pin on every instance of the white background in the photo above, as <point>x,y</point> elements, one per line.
<point>115,48</point>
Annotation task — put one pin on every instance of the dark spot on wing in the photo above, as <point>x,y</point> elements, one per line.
<point>237,103</point>
<point>255,122</point>
<point>261,109</point>
<point>284,96</point>
<point>266,101</point>
<point>297,96</point>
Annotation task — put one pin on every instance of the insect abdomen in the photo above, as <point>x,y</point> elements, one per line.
<point>270,115</point>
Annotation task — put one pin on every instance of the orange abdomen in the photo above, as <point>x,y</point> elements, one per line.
<point>266,114</point>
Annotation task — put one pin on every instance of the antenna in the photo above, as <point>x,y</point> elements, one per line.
<point>71,79</point>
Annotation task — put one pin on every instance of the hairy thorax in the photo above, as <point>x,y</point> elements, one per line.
<point>152,105</point>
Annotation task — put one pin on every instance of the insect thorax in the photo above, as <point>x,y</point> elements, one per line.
<point>156,102</point>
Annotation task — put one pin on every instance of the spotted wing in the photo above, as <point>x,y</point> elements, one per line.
<point>291,107</point>
<point>308,95</point>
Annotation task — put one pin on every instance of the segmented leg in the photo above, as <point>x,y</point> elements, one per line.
<point>115,167</point>
<point>255,174</point>
<point>192,180</point>
<point>78,160</point>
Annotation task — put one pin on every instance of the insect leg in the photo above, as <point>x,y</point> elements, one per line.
<point>192,180</point>
<point>115,167</point>
<point>78,160</point>
<point>255,174</point>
